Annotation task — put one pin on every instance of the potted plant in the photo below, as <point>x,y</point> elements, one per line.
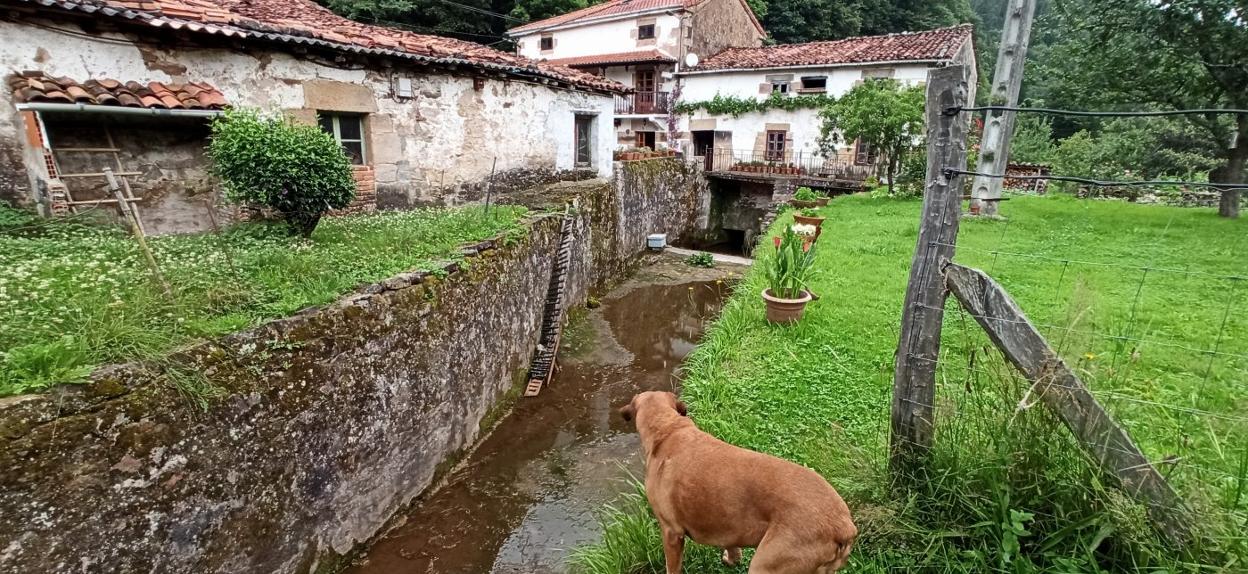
<point>808,233</point>
<point>823,198</point>
<point>787,273</point>
<point>804,197</point>
<point>808,216</point>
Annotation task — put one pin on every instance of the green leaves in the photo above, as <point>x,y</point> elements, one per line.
<point>297,170</point>
<point>792,265</point>
<point>881,113</point>
<point>37,366</point>
<point>734,106</point>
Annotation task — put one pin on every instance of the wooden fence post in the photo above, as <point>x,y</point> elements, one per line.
<point>914,377</point>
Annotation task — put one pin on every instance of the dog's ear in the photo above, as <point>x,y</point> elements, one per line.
<point>682,409</point>
<point>628,412</point>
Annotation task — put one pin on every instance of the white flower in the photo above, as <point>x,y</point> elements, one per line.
<point>804,229</point>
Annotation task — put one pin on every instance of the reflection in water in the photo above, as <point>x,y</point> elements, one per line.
<point>527,495</point>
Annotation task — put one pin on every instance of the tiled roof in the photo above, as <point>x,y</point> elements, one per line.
<point>617,8</point>
<point>36,87</point>
<point>305,22</point>
<point>617,59</point>
<point>932,45</point>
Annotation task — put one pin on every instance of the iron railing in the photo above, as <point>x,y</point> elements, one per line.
<point>784,164</point>
<point>642,103</point>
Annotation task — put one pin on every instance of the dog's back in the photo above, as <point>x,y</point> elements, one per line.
<point>722,495</point>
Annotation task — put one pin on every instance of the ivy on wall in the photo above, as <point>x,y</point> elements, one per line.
<point>734,106</point>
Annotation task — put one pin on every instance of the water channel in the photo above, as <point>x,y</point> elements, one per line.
<point>527,495</point>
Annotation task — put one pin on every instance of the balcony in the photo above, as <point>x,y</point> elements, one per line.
<point>768,165</point>
<point>641,103</point>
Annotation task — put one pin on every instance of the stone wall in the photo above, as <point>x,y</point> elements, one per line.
<point>327,423</point>
<point>453,132</point>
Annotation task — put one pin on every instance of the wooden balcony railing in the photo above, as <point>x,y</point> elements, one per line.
<point>641,103</point>
<point>785,164</point>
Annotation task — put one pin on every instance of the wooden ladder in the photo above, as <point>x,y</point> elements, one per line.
<point>543,365</point>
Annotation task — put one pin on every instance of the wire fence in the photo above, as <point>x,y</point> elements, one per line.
<point>1147,309</point>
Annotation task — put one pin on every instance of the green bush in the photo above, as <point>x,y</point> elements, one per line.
<point>297,170</point>
<point>805,194</point>
<point>700,259</point>
<point>1033,140</point>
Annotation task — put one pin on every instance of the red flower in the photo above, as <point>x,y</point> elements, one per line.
<point>776,240</point>
<point>806,246</point>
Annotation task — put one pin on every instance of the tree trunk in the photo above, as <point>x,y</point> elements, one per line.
<point>303,223</point>
<point>1233,171</point>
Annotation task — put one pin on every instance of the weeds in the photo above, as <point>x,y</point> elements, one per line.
<point>700,259</point>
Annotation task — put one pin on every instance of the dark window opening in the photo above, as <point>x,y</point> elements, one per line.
<point>547,43</point>
<point>775,145</point>
<point>348,130</point>
<point>863,153</point>
<point>584,141</point>
<point>815,84</point>
<point>645,32</point>
<point>779,87</point>
<point>646,139</point>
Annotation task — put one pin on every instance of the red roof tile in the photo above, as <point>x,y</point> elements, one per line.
<point>615,8</point>
<point>36,87</point>
<point>614,59</point>
<point>931,45</point>
<point>305,22</point>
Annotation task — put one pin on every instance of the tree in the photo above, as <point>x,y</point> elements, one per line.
<point>533,10</point>
<point>1162,54</point>
<point>297,170</point>
<point>881,113</point>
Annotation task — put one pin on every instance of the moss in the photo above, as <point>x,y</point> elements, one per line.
<point>579,335</point>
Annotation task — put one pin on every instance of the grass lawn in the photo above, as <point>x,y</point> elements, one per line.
<point>1007,490</point>
<point>73,296</point>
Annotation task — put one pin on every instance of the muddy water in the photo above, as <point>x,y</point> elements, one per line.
<point>527,495</point>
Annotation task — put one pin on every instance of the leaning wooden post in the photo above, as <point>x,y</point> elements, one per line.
<point>137,230</point>
<point>914,377</point>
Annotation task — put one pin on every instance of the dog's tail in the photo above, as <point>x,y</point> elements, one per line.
<point>842,558</point>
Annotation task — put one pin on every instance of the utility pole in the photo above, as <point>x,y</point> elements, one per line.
<point>1007,82</point>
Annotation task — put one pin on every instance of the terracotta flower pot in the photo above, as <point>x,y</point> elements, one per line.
<point>785,311</point>
<point>802,219</point>
<point>802,204</point>
<point>822,201</point>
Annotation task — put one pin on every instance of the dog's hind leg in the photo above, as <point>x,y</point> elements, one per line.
<point>673,549</point>
<point>731,557</point>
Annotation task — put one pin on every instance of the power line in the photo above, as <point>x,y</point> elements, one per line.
<point>953,111</point>
<point>483,11</point>
<point>1096,182</point>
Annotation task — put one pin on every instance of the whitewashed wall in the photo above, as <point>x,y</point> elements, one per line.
<point>448,134</point>
<point>608,37</point>
<point>804,124</point>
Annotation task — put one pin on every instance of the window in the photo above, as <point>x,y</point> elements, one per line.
<point>348,129</point>
<point>775,145</point>
<point>584,140</point>
<point>547,43</point>
<point>779,87</point>
<point>815,84</point>
<point>645,32</point>
<point>863,153</point>
<point>646,139</point>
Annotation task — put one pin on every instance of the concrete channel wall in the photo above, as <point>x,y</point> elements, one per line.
<point>331,421</point>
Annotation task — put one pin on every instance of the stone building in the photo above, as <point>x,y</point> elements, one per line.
<point>791,136</point>
<point>641,44</point>
<point>130,85</point>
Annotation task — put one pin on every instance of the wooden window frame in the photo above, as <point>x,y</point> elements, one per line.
<point>781,87</point>
<point>773,152</point>
<point>653,28</point>
<point>869,157</point>
<point>546,43</point>
<point>335,119</point>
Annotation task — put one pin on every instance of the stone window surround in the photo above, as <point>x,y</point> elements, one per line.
<point>542,43</point>
<point>653,40</point>
<point>335,116</point>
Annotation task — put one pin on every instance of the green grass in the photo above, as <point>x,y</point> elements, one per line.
<point>1007,490</point>
<point>76,295</point>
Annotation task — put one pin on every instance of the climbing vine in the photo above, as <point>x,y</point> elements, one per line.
<point>735,106</point>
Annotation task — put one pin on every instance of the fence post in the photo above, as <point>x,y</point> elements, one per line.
<point>914,376</point>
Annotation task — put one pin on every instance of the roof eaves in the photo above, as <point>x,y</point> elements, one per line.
<point>586,21</point>
<point>161,21</point>
<point>810,66</point>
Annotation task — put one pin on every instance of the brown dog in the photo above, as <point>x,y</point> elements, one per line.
<point>730,497</point>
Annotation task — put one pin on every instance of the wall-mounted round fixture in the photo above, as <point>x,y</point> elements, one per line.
<point>691,60</point>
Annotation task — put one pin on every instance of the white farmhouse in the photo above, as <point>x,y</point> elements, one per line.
<point>788,140</point>
<point>640,44</point>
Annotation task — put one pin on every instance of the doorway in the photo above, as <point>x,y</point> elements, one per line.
<point>646,139</point>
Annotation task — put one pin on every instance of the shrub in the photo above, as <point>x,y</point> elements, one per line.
<point>805,194</point>
<point>700,259</point>
<point>298,171</point>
